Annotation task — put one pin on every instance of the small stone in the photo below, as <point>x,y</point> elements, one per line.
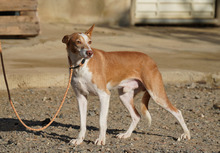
<point>202,115</point>
<point>216,106</point>
<point>197,96</point>
<point>178,85</point>
<point>45,122</point>
<point>10,142</point>
<point>70,129</point>
<point>127,151</point>
<point>207,122</point>
<point>193,85</point>
<point>91,113</point>
<point>211,100</point>
<point>44,99</point>
<point>136,138</point>
<point>190,110</point>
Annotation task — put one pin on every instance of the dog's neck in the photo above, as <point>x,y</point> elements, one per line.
<point>74,59</point>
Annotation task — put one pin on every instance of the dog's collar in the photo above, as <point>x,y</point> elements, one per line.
<point>77,66</point>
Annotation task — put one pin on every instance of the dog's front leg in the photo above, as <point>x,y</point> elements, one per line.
<point>82,104</point>
<point>104,101</point>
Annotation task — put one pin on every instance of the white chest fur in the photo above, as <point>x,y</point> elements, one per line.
<point>82,81</point>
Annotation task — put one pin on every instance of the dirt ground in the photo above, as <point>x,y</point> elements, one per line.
<point>198,102</point>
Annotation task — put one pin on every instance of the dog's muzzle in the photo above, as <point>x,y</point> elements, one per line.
<point>89,53</point>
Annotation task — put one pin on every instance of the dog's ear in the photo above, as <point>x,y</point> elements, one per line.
<point>89,32</point>
<point>65,39</point>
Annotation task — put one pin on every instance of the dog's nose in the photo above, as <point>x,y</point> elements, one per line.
<point>89,53</point>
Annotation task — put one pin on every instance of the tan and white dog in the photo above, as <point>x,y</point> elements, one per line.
<point>97,72</point>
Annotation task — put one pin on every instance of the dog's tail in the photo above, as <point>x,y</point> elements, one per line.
<point>144,107</point>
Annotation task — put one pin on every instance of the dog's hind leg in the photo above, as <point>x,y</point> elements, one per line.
<point>127,99</point>
<point>144,107</point>
<point>155,88</point>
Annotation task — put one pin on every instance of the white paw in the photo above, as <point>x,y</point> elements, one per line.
<point>76,141</point>
<point>123,135</point>
<point>100,141</point>
<point>184,136</point>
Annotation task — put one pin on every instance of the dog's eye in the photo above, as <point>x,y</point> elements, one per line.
<point>90,42</point>
<point>78,42</point>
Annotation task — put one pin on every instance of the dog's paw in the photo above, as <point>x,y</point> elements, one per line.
<point>76,141</point>
<point>184,136</point>
<point>123,135</point>
<point>100,141</point>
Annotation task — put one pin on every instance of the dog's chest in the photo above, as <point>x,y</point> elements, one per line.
<point>82,81</point>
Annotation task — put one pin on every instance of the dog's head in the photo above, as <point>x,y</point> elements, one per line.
<point>80,43</point>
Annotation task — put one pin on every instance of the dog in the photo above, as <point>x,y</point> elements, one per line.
<point>97,72</point>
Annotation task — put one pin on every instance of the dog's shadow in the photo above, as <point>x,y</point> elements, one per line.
<point>10,124</point>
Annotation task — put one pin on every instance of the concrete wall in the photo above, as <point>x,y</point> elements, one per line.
<point>85,11</point>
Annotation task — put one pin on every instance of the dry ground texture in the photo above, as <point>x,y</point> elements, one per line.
<point>199,104</point>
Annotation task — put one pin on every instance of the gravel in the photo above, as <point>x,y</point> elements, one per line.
<point>199,104</point>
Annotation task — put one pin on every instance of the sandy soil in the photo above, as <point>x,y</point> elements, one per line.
<point>199,104</point>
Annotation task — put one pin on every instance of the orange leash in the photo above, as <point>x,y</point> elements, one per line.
<point>12,105</point>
